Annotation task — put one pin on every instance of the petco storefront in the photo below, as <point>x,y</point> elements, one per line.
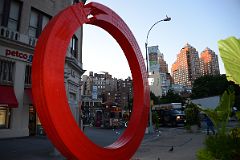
<point>17,115</point>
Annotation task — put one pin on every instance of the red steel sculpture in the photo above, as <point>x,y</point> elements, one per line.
<point>49,92</point>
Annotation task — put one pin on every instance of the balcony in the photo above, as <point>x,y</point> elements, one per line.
<point>17,37</point>
<point>5,32</point>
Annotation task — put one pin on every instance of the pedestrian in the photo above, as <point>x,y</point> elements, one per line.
<point>210,125</point>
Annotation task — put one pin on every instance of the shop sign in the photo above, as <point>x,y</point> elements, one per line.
<point>16,54</point>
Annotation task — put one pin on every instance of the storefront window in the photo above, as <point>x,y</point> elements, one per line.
<point>5,114</point>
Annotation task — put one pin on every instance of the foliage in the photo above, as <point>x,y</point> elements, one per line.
<point>220,147</point>
<point>156,100</point>
<point>230,53</point>
<point>235,133</point>
<point>192,114</point>
<point>171,97</point>
<point>220,115</point>
<point>204,154</point>
<point>238,115</point>
<point>209,85</point>
<point>223,145</point>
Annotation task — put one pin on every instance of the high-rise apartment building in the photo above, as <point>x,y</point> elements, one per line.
<point>160,78</point>
<point>156,60</point>
<point>21,23</point>
<point>187,67</point>
<point>209,62</point>
<point>163,68</point>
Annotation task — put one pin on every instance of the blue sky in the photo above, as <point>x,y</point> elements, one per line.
<point>200,23</point>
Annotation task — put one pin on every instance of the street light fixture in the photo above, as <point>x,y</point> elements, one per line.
<point>146,43</point>
<point>150,128</point>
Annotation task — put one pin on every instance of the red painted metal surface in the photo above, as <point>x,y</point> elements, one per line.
<point>49,92</point>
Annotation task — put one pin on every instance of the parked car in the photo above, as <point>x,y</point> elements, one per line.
<point>173,117</point>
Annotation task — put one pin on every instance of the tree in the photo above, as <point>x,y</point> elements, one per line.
<point>171,97</point>
<point>209,85</point>
<point>192,114</point>
<point>154,98</point>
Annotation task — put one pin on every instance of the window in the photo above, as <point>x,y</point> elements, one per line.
<point>10,14</point>
<point>28,71</point>
<point>6,71</point>
<point>72,96</point>
<point>14,16</point>
<point>75,1</point>
<point>5,114</point>
<point>33,26</point>
<point>38,21</point>
<point>74,46</point>
<point>1,10</point>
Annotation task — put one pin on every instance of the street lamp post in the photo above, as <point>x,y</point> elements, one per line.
<point>150,128</point>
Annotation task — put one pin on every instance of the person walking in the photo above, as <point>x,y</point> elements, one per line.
<point>210,125</point>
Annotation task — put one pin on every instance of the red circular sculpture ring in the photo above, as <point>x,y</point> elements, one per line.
<point>49,92</point>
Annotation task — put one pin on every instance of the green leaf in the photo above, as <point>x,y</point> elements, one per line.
<point>221,113</point>
<point>238,115</point>
<point>227,101</point>
<point>230,53</point>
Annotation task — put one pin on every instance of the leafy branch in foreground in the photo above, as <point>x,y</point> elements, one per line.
<point>230,53</point>
<point>220,115</point>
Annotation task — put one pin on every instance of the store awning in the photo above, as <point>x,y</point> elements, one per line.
<point>28,98</point>
<point>7,97</point>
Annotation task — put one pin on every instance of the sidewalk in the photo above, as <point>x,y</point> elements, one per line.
<point>153,147</point>
<point>185,146</point>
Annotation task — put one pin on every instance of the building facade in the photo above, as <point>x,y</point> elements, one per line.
<point>187,67</point>
<point>209,62</point>
<point>21,23</point>
<point>160,78</point>
<point>163,68</point>
<point>100,90</point>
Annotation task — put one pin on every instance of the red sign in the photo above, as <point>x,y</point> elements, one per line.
<point>49,92</point>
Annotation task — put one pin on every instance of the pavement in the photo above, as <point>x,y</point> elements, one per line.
<point>171,144</point>
<point>154,146</point>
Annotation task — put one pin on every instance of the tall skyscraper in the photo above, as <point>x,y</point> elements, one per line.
<point>160,78</point>
<point>156,60</point>
<point>209,63</point>
<point>187,67</point>
<point>163,68</point>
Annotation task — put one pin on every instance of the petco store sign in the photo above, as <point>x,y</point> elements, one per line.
<point>16,54</point>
